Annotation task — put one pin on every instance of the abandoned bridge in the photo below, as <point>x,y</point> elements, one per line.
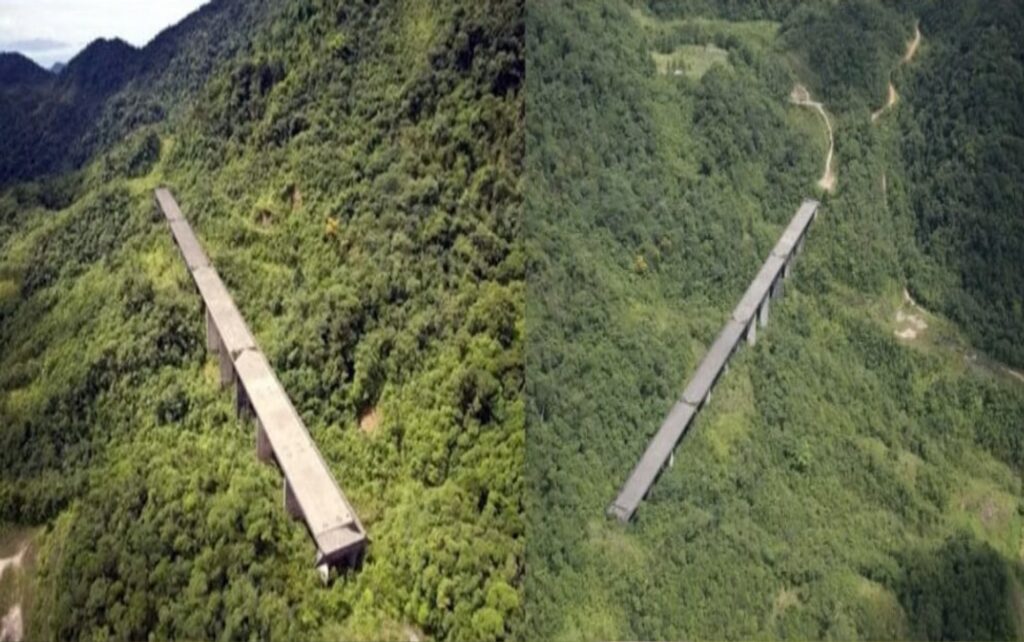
<point>310,490</point>
<point>751,311</point>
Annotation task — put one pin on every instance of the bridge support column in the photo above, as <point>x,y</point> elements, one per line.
<point>291,505</point>
<point>752,332</point>
<point>243,406</point>
<point>800,245</point>
<point>707,398</point>
<point>324,570</point>
<point>787,268</point>
<point>777,289</point>
<point>264,452</point>
<point>227,368</point>
<point>212,339</point>
<point>762,313</point>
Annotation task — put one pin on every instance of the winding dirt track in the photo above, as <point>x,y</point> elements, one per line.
<point>801,96</point>
<point>14,561</point>
<point>907,57</point>
<point>11,624</point>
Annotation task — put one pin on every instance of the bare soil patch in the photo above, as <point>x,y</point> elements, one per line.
<point>785,599</point>
<point>13,561</point>
<point>910,325</point>
<point>369,420</point>
<point>11,626</point>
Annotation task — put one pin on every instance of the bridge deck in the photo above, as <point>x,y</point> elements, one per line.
<point>168,205</point>
<point>234,333</point>
<point>650,464</point>
<point>758,289</point>
<point>189,245</point>
<point>796,228</point>
<point>659,450</point>
<point>327,513</point>
<point>713,362</point>
<point>337,531</point>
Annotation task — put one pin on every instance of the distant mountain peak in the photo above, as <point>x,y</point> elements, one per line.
<point>103,66</point>
<point>18,69</point>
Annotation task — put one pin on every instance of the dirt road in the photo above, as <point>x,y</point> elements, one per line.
<point>801,96</point>
<point>913,44</point>
<point>11,626</point>
<point>908,55</point>
<point>890,101</point>
<point>13,561</point>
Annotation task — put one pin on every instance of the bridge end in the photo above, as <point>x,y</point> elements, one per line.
<point>619,513</point>
<point>340,548</point>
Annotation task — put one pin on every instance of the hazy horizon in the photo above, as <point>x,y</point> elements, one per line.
<point>51,31</point>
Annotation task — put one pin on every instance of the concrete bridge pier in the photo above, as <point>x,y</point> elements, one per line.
<point>212,340</point>
<point>752,332</point>
<point>800,245</point>
<point>227,369</point>
<point>762,313</point>
<point>291,505</point>
<point>777,289</point>
<point>787,268</point>
<point>215,344</point>
<point>264,452</point>
<point>243,405</point>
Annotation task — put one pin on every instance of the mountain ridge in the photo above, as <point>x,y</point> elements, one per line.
<point>111,88</point>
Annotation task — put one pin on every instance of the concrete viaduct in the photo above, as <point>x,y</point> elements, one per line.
<point>310,490</point>
<point>751,311</point>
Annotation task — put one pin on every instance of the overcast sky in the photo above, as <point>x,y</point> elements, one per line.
<point>50,31</point>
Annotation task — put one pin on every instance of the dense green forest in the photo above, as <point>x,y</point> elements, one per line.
<point>353,169</point>
<point>858,473</point>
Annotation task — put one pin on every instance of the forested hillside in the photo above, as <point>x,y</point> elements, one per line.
<point>963,148</point>
<point>353,169</point>
<point>858,472</point>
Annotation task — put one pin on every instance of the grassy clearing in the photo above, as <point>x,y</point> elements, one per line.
<point>989,512</point>
<point>933,334</point>
<point>760,31</point>
<point>887,618</point>
<point>702,37</point>
<point>734,418</point>
<point>692,61</point>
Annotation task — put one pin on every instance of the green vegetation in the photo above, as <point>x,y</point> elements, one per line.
<point>844,53</point>
<point>963,149</point>
<point>844,483</point>
<point>353,170</point>
<point>692,60</point>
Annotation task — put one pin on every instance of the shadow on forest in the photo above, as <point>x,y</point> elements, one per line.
<point>960,590</point>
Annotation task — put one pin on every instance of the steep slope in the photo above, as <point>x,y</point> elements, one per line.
<point>844,482</point>
<point>963,147</point>
<point>353,171</point>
